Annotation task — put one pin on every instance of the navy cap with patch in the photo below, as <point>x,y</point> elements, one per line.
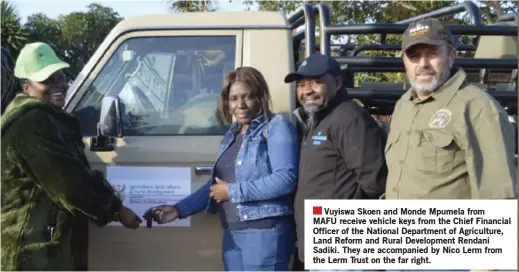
<point>315,66</point>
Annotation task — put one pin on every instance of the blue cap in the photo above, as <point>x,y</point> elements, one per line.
<point>315,66</point>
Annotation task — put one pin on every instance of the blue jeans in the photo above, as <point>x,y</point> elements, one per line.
<point>259,249</point>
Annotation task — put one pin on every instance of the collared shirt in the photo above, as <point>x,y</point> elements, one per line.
<point>456,144</point>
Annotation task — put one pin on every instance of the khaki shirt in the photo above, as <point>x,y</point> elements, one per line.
<point>457,144</point>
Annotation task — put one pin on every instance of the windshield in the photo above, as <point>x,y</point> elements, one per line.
<point>166,85</point>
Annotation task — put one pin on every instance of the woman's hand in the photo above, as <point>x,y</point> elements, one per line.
<point>162,214</point>
<point>128,218</point>
<point>219,191</point>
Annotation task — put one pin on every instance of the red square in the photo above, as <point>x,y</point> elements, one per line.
<point>318,210</point>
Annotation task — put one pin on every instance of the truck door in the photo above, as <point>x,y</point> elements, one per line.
<point>168,83</point>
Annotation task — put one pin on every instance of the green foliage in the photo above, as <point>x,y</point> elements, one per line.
<point>359,12</point>
<point>491,10</point>
<point>284,6</point>
<point>74,36</point>
<point>192,6</point>
<point>13,34</point>
<point>353,11</point>
<point>45,29</point>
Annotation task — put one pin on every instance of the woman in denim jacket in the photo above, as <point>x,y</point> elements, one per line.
<point>253,180</point>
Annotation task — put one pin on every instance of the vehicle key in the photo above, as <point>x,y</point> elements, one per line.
<point>148,216</point>
<point>149,221</point>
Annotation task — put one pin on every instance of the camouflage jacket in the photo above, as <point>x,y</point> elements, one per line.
<point>46,182</point>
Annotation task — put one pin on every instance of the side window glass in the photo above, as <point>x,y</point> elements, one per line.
<point>166,85</point>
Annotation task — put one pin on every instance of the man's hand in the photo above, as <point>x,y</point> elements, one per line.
<point>220,191</point>
<point>162,214</point>
<point>128,218</point>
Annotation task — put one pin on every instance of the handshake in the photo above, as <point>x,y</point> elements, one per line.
<point>161,214</point>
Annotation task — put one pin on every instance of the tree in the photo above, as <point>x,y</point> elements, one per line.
<point>192,6</point>
<point>83,32</point>
<point>74,36</point>
<point>45,29</point>
<point>348,12</point>
<point>12,32</point>
<point>385,11</point>
<point>358,12</point>
<point>492,10</point>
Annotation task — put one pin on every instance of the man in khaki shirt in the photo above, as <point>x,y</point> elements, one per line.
<point>448,139</point>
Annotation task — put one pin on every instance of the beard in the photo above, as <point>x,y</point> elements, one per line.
<point>311,109</point>
<point>435,82</point>
<point>316,104</point>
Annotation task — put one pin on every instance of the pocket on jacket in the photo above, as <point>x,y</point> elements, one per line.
<point>257,151</point>
<point>437,150</point>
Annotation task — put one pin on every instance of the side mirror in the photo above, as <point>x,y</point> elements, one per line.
<point>109,126</point>
<point>110,119</point>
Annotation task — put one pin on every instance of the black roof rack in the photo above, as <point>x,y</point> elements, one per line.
<point>511,17</point>
<point>470,7</point>
<point>381,100</point>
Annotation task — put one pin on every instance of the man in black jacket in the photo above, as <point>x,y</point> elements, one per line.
<point>342,148</point>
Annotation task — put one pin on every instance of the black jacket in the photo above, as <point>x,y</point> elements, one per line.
<point>342,157</point>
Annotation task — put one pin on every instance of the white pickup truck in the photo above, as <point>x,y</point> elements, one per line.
<point>148,97</point>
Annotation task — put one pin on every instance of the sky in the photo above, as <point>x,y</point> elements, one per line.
<point>125,8</point>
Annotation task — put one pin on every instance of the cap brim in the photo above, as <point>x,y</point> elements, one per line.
<point>46,72</point>
<point>297,76</point>
<point>423,41</point>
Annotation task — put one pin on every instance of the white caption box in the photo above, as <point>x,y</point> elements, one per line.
<point>411,234</point>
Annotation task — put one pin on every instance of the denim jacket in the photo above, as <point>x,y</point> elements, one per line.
<point>265,180</point>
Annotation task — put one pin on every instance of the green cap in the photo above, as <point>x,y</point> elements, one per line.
<point>426,31</point>
<point>37,61</point>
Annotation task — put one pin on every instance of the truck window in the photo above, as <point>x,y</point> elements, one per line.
<point>166,85</point>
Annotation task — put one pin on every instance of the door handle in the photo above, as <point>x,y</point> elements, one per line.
<point>204,170</point>
<point>102,143</point>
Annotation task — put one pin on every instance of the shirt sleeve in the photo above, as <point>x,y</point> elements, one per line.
<point>56,168</point>
<point>490,155</point>
<point>361,145</point>
<point>195,202</point>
